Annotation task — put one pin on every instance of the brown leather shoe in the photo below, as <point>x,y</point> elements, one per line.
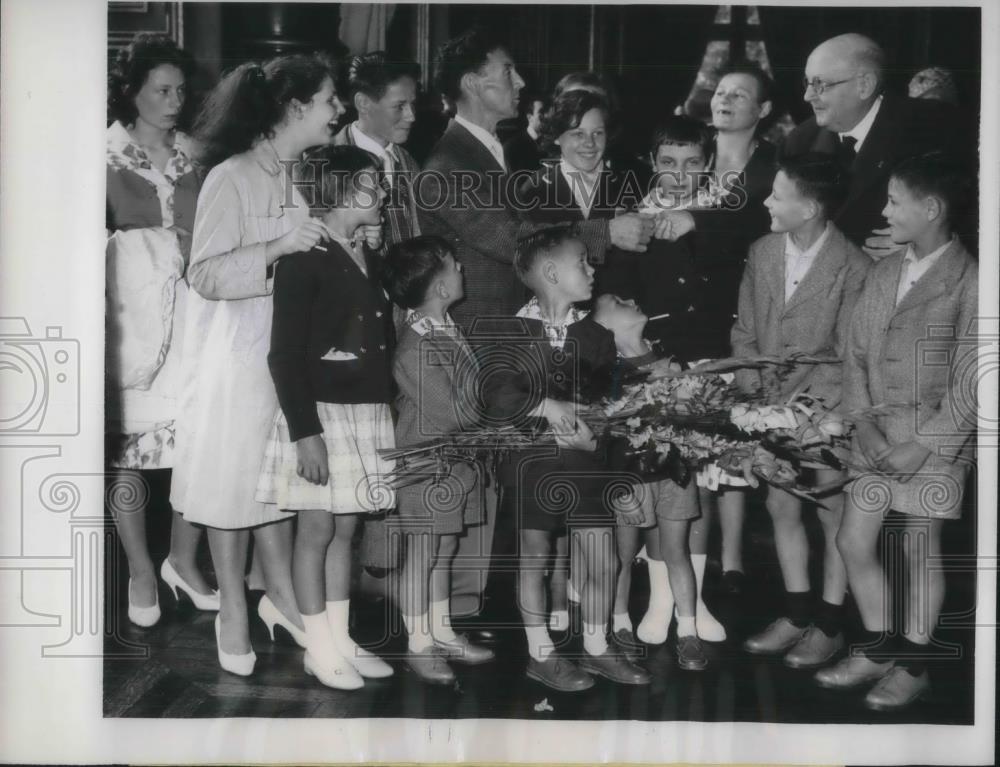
<point>779,637</point>
<point>461,650</point>
<point>559,674</point>
<point>852,672</point>
<point>815,649</point>
<point>616,667</point>
<point>626,643</point>
<point>431,667</point>
<point>897,690</point>
<point>691,654</point>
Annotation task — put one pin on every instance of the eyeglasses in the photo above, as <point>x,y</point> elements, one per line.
<point>821,86</point>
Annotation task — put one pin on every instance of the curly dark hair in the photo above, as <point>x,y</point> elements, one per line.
<point>373,73</point>
<point>132,66</point>
<point>567,111</point>
<point>461,55</point>
<point>410,267</point>
<point>251,100</point>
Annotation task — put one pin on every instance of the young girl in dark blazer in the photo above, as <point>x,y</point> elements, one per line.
<point>329,359</point>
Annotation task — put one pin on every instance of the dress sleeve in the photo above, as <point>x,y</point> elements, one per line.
<point>222,267</point>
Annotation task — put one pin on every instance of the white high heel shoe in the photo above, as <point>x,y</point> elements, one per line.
<point>272,616</point>
<point>340,675</point>
<point>143,616</point>
<point>241,665</point>
<point>173,579</point>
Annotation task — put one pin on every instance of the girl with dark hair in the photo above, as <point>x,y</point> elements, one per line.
<point>329,360</point>
<point>257,121</point>
<point>152,187</point>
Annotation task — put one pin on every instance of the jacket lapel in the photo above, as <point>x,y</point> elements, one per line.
<point>469,146</point>
<point>776,273</point>
<point>829,262</point>
<point>939,280</point>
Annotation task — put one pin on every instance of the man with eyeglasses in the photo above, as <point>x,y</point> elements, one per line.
<point>868,130</point>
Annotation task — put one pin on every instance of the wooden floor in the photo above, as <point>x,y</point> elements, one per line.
<point>171,670</point>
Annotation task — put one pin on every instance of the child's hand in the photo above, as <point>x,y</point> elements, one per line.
<point>373,236</point>
<point>303,237</point>
<point>560,415</point>
<point>578,438</point>
<point>904,460</point>
<point>678,223</point>
<point>871,441</point>
<point>664,368</point>
<point>630,518</point>
<point>313,465</point>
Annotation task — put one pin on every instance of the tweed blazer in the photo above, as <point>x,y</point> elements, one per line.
<point>463,196</point>
<point>815,320</point>
<point>919,352</point>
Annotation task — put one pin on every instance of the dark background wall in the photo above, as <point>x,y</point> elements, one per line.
<point>651,52</point>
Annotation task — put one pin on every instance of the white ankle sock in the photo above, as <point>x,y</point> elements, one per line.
<point>571,593</point>
<point>709,627</point>
<point>559,620</point>
<point>320,643</point>
<point>686,626</point>
<point>655,624</point>
<point>595,640</point>
<point>620,621</point>
<point>539,642</point>
<point>440,613</point>
<point>338,614</point>
<point>418,629</point>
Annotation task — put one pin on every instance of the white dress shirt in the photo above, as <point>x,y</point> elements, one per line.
<point>583,185</point>
<point>386,153</point>
<point>485,138</point>
<point>798,262</point>
<point>860,131</point>
<point>914,268</point>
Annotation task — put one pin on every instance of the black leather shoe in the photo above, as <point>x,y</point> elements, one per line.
<point>691,654</point>
<point>431,667</point>
<point>732,582</point>
<point>615,667</point>
<point>559,674</point>
<point>628,645</point>
<point>481,635</point>
<point>461,650</point>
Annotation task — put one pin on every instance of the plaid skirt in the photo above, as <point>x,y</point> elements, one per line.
<point>357,484</point>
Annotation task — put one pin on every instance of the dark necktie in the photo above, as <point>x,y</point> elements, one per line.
<point>847,151</point>
<point>397,204</point>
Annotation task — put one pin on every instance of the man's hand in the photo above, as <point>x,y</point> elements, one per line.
<point>373,236</point>
<point>903,460</point>
<point>631,231</point>
<point>680,223</point>
<point>578,438</point>
<point>880,244</point>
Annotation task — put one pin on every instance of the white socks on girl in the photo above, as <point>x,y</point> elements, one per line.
<point>539,642</point>
<point>686,626</point>
<point>620,621</point>
<point>440,614</point>
<point>323,660</point>
<point>655,624</point>
<point>595,641</point>
<point>709,628</point>
<point>366,664</point>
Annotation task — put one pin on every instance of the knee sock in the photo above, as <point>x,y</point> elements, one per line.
<point>418,631</point>
<point>595,640</point>
<point>559,620</point>
<point>829,618</point>
<point>539,642</point>
<point>797,608</point>
<point>441,621</point>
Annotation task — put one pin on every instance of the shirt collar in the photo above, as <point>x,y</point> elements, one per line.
<point>366,142</point>
<point>930,258</point>
<point>791,249</point>
<point>423,324</point>
<point>533,133</point>
<point>860,131</point>
<point>484,137</point>
<point>266,157</point>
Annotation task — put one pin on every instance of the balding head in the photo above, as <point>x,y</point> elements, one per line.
<point>850,68</point>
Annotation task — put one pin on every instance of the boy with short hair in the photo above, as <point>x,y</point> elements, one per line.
<point>798,291</point>
<point>538,372</point>
<point>915,311</point>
